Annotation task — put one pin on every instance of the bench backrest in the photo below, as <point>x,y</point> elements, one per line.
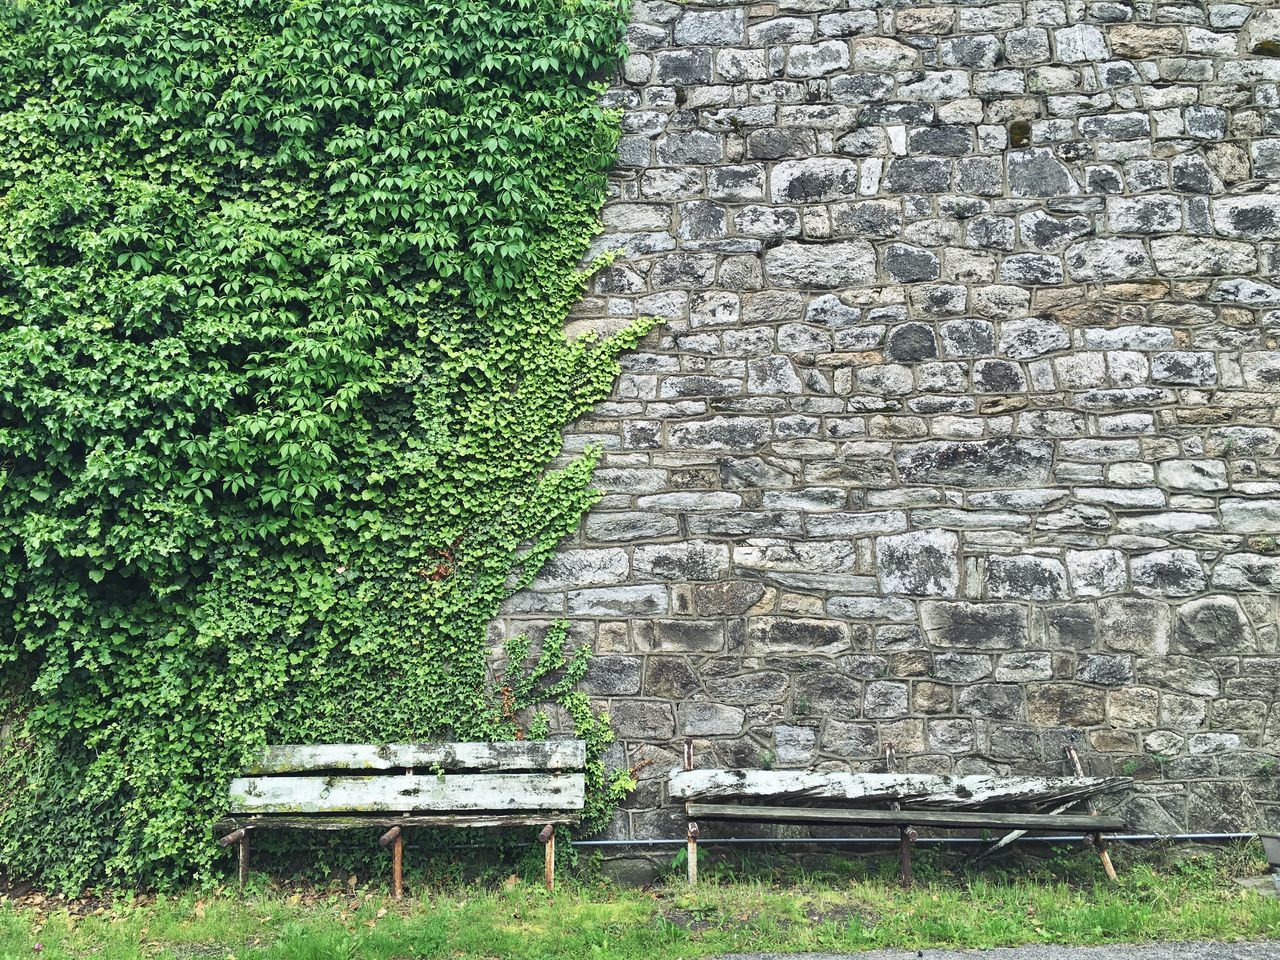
<point>414,777</point>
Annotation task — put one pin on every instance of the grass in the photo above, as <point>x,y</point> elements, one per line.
<point>841,906</point>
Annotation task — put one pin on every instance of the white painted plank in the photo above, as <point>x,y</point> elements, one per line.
<point>508,755</point>
<point>405,793</point>
<point>905,788</point>
<point>533,818</point>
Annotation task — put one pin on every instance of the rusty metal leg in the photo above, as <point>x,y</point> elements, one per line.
<point>244,859</point>
<point>548,838</point>
<point>394,838</point>
<point>906,837</point>
<point>693,853</point>
<point>1096,841</point>
<point>397,868</point>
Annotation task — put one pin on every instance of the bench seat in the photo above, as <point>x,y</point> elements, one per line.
<point>904,818</point>
<point>399,786</point>
<point>1014,805</point>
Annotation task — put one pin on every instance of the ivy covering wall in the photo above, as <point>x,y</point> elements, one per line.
<point>282,287</point>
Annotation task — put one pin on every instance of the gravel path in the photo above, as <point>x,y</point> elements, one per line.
<point>1148,951</point>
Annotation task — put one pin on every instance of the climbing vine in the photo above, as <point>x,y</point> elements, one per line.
<point>282,372</point>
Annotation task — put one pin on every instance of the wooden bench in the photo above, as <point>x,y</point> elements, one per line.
<point>396,786</point>
<point>1271,847</point>
<point>890,799</point>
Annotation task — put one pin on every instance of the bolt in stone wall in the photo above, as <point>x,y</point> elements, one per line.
<point>961,430</point>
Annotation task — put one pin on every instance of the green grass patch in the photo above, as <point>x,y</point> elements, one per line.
<point>833,906</point>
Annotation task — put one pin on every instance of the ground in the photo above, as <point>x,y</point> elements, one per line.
<point>750,907</point>
<point>1152,951</point>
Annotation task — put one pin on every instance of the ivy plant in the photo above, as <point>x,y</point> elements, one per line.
<point>283,286</point>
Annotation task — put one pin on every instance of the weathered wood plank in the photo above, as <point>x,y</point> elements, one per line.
<point>905,788</point>
<point>471,792</point>
<point>481,757</point>
<point>902,818</point>
<point>266,822</point>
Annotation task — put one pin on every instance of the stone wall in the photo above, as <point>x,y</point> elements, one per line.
<point>961,429</point>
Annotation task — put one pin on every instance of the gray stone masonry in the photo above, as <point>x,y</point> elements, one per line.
<point>960,430</point>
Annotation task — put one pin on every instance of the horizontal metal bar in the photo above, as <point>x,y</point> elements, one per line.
<point>923,841</point>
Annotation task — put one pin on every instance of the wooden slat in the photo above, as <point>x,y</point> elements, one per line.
<point>481,757</point>
<point>229,825</point>
<point>902,818</point>
<point>458,793</point>
<point>905,788</point>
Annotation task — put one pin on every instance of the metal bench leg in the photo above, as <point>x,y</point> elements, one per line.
<point>548,838</point>
<point>906,837</point>
<point>1096,841</point>
<point>693,853</point>
<point>241,838</point>
<point>394,838</point>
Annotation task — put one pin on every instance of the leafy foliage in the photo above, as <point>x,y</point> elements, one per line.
<point>282,288</point>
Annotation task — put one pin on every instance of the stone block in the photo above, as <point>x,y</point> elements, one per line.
<point>923,563</point>
<point>975,626</point>
<point>1065,705</point>
<point>784,635</point>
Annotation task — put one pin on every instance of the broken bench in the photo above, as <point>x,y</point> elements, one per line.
<point>397,786</point>
<point>892,800</point>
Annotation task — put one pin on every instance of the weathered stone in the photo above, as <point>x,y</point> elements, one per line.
<point>1082,43</point>
<point>821,266</point>
<point>1038,173</point>
<point>918,175</point>
<point>1248,572</point>
<point>1026,578</point>
<point>708,720</point>
<point>854,741</point>
<point>1000,701</point>
<point>960,667</point>
<point>1065,705</point>
<point>618,601</point>
<point>980,626</point>
<point>1202,475</point>
<point>1096,573</point>
<point>923,563</point>
<point>885,700</point>
<point>794,745</point>
<point>612,676</point>
<point>1105,669</point>
<point>977,463</point>
<point>1027,339</point>
<point>640,720</point>
<point>685,636</point>
<point>697,28</point>
<point>1184,368</point>
<point>817,59</point>
<point>1251,516</point>
<point>1168,573</point>
<point>1136,626</point>
<point>727,598</point>
<point>950,736</point>
<point>765,686</point>
<point>1108,259</point>
<point>773,635</point>
<point>905,263</point>
<point>1197,678</point>
<point>1213,626</point>
<point>813,180</point>
<point>689,560</point>
<point>1202,257</point>
<point>670,678</point>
